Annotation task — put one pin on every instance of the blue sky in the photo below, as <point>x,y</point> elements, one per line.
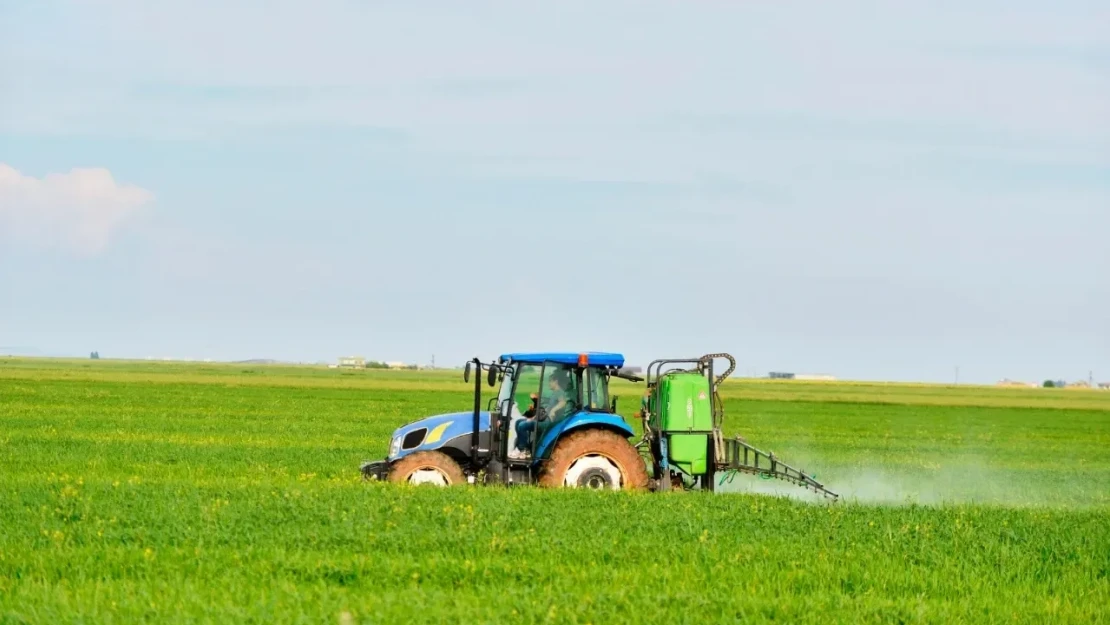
<point>872,190</point>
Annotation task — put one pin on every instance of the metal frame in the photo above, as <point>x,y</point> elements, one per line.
<point>732,455</point>
<point>654,374</point>
<point>735,448</point>
<point>704,365</point>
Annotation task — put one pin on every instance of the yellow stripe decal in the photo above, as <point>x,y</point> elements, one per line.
<point>435,435</point>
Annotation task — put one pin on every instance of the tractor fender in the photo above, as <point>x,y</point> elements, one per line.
<point>581,421</point>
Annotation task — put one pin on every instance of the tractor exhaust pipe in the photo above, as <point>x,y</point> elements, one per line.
<point>477,410</point>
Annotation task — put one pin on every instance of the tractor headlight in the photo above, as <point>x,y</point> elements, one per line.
<point>394,446</point>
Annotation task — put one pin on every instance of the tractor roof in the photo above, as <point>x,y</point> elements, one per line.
<point>596,359</point>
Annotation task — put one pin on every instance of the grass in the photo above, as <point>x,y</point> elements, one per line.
<point>214,493</point>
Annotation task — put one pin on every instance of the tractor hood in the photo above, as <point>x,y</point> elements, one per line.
<point>433,432</point>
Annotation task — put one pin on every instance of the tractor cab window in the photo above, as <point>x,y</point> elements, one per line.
<point>527,384</point>
<point>505,393</point>
<point>559,393</point>
<point>596,390</point>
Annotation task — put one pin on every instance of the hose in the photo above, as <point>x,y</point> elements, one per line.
<point>716,384</point>
<point>728,372</point>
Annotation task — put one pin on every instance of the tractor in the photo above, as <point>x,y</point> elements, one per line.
<point>554,424</point>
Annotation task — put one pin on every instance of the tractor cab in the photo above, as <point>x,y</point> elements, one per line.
<point>544,395</point>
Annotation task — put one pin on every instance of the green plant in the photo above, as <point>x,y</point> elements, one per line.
<point>177,493</point>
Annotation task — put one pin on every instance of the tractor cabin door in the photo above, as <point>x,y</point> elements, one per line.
<point>559,398</point>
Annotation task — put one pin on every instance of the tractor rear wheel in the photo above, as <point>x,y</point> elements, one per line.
<point>427,467</point>
<point>595,459</point>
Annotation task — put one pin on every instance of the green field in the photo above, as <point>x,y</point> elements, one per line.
<point>221,493</point>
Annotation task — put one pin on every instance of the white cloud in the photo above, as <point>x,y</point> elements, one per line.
<point>78,211</point>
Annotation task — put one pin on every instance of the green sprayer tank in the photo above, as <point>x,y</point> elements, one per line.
<point>684,414</point>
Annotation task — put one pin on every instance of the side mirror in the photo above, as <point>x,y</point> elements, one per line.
<point>466,372</point>
<point>491,378</point>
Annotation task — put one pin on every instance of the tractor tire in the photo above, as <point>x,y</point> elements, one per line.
<point>594,459</point>
<point>427,467</point>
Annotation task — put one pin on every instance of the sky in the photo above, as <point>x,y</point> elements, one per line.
<point>872,190</point>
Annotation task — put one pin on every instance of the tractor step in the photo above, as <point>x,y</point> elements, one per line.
<point>736,455</point>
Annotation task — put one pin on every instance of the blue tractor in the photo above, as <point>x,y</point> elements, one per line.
<point>552,423</point>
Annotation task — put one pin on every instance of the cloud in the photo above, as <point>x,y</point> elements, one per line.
<point>78,211</point>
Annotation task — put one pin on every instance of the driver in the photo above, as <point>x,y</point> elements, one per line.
<point>556,403</point>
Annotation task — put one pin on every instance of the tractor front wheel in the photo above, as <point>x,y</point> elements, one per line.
<point>597,459</point>
<point>427,467</point>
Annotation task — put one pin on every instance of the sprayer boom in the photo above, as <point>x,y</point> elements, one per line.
<point>736,455</point>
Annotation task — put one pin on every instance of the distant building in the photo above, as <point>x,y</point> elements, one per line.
<point>354,362</point>
<point>809,377</point>
<point>1104,386</point>
<point>1018,383</point>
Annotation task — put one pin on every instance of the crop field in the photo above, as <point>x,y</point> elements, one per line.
<point>162,492</point>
